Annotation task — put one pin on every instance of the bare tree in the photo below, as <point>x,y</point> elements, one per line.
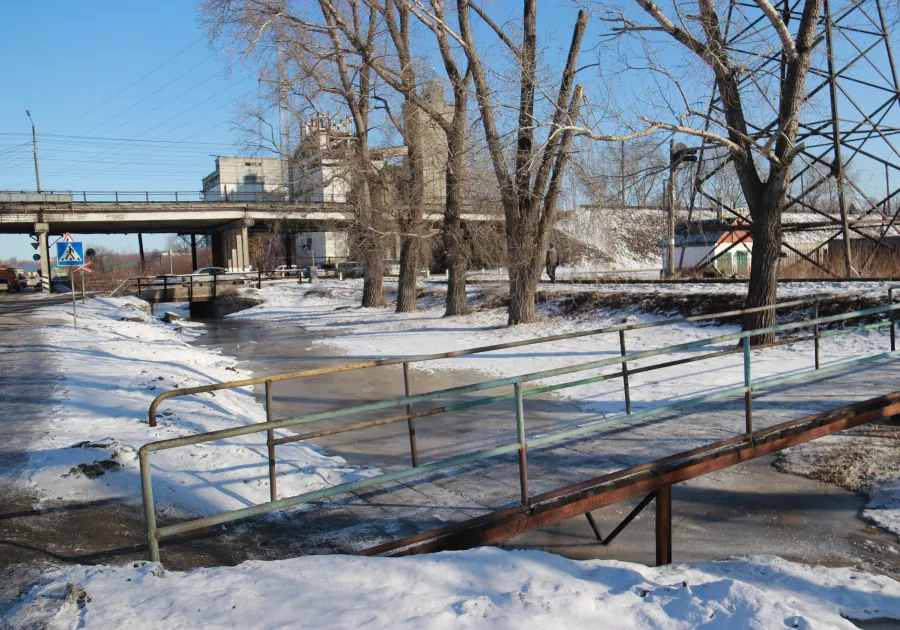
<point>307,35</point>
<point>529,190</point>
<point>762,155</point>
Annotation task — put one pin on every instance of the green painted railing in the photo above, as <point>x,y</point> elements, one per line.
<point>522,444</point>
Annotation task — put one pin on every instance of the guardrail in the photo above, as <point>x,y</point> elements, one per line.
<point>522,443</point>
<point>168,197</point>
<point>165,282</point>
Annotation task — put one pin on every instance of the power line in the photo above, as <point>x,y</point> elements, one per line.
<point>131,85</point>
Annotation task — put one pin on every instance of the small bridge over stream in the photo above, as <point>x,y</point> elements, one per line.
<point>528,467</point>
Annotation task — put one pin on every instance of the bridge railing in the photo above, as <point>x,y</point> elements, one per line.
<point>87,197</point>
<point>520,389</point>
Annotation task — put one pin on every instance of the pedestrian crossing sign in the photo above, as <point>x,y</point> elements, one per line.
<point>69,254</point>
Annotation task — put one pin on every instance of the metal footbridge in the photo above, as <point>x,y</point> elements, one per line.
<point>530,470</point>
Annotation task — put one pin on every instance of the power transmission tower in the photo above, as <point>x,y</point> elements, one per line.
<point>846,176</point>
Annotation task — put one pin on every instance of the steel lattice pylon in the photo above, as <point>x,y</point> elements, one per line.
<point>846,174</point>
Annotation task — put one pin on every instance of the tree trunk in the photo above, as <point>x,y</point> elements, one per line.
<point>766,215</point>
<point>454,243</point>
<point>524,252</point>
<point>373,275</point>
<point>410,248</point>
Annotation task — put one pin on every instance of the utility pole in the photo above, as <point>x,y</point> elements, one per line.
<point>37,170</point>
<point>670,203</point>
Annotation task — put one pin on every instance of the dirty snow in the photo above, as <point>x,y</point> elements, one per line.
<point>111,367</point>
<point>481,588</point>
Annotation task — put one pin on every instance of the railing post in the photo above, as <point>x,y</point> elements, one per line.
<point>84,196</point>
<point>259,279</point>
<point>625,373</point>
<point>139,287</point>
<point>816,330</point>
<point>191,288</point>
<point>176,196</point>
<point>523,447</point>
<point>664,526</point>
<point>215,286</point>
<point>893,321</point>
<point>117,197</point>
<point>147,197</point>
<point>270,442</point>
<point>165,288</point>
<point>411,422</point>
<point>748,400</point>
<point>149,509</point>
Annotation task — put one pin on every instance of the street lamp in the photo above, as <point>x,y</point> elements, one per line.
<point>37,171</point>
<point>678,154</point>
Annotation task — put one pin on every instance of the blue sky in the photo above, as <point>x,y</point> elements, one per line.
<point>129,96</point>
<point>92,69</point>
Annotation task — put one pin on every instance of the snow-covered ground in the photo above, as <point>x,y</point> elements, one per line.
<point>111,367</point>
<point>332,306</point>
<point>481,588</point>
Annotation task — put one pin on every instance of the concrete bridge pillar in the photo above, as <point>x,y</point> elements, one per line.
<point>230,249</point>
<point>42,230</point>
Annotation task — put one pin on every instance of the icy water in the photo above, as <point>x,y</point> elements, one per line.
<point>743,510</point>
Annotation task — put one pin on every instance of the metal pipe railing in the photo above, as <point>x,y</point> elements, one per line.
<point>522,444</point>
<point>349,367</point>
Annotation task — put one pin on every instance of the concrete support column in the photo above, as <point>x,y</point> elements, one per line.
<point>217,244</point>
<point>232,248</point>
<point>42,230</point>
<point>245,248</point>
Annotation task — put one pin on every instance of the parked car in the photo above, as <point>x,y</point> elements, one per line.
<point>5,285</point>
<point>23,280</point>
<point>287,271</point>
<point>12,278</point>
<point>220,274</point>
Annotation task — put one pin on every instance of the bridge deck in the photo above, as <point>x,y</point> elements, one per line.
<point>377,516</point>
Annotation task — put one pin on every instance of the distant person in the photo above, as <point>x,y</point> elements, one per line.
<point>552,262</point>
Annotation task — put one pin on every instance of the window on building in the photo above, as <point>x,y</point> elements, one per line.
<point>251,178</point>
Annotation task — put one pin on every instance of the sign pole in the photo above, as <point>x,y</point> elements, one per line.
<point>82,286</point>
<point>72,286</point>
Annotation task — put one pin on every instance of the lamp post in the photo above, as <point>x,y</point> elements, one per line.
<point>678,154</point>
<point>37,170</point>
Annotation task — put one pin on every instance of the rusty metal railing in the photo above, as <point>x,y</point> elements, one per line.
<point>522,443</point>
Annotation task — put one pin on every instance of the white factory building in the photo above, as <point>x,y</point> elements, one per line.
<point>245,179</point>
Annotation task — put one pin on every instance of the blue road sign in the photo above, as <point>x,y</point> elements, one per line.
<point>69,254</point>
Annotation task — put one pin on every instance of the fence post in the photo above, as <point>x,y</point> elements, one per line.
<point>259,279</point>
<point>816,330</point>
<point>147,197</point>
<point>165,288</point>
<point>523,447</point>
<point>413,446</point>
<point>176,196</point>
<point>270,442</point>
<point>139,287</point>
<point>215,286</point>
<point>893,321</point>
<point>191,288</point>
<point>117,197</point>
<point>625,373</point>
<point>84,196</point>
<point>748,400</point>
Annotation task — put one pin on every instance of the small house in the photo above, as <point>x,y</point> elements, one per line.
<point>724,244</point>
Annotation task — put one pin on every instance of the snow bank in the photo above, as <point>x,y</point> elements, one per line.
<point>111,367</point>
<point>481,588</point>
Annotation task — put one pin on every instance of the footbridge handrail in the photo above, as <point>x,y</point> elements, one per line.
<point>522,443</point>
<point>420,358</point>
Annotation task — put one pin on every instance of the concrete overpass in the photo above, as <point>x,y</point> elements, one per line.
<point>228,221</point>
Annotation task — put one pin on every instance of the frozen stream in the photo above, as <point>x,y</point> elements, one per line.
<point>744,510</point>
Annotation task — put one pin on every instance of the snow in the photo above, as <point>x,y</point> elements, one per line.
<point>110,370</point>
<point>481,588</point>
<point>332,306</point>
